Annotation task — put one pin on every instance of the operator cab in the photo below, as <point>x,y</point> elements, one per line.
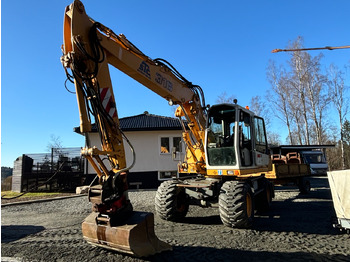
<point>235,138</point>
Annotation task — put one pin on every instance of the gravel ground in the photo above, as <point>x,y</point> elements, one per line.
<point>297,228</point>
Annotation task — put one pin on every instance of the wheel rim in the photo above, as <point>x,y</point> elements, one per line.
<point>249,203</point>
<point>180,208</point>
<point>268,195</point>
<point>308,186</point>
<point>180,202</point>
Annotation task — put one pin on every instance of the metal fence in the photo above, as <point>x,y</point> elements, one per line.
<point>62,169</point>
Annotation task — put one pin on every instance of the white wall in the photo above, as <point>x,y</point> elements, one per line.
<point>147,148</point>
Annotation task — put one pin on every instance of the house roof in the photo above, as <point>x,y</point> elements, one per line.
<point>145,122</point>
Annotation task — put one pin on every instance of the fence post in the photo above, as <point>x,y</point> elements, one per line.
<point>37,176</point>
<point>51,160</point>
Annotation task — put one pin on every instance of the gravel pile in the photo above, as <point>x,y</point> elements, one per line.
<point>297,228</point>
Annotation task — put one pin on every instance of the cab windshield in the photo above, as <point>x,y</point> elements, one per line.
<point>220,136</point>
<point>314,159</point>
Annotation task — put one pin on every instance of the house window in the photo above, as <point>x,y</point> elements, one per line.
<point>177,144</point>
<point>164,175</point>
<point>164,145</point>
<point>167,143</point>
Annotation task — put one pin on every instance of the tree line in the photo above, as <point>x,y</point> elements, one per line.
<point>311,101</point>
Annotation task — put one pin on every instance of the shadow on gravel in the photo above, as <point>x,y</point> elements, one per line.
<point>183,253</point>
<point>298,215</point>
<point>16,232</point>
<point>207,220</point>
<point>312,213</point>
<point>319,193</point>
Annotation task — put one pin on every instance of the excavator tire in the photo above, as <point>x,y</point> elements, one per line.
<point>236,204</point>
<point>264,199</point>
<point>171,202</point>
<point>304,185</point>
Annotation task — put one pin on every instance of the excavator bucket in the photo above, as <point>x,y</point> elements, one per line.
<point>134,235</point>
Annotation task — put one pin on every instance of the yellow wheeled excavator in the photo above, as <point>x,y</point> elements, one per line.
<point>226,159</point>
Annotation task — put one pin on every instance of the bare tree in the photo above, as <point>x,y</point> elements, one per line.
<point>340,101</point>
<point>346,136</point>
<point>298,129</point>
<point>259,107</point>
<point>273,138</point>
<point>306,99</point>
<point>279,96</point>
<point>224,98</point>
<point>55,144</point>
<point>318,98</point>
<point>300,73</point>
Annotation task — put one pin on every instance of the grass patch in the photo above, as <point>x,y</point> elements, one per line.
<point>10,194</point>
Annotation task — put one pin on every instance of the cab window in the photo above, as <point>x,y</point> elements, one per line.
<point>260,135</point>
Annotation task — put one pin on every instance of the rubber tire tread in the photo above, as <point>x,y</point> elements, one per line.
<point>232,204</point>
<point>304,186</point>
<point>166,201</point>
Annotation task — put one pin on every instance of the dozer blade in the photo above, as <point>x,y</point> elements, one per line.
<point>135,235</point>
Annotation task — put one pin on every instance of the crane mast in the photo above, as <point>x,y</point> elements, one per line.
<point>310,49</point>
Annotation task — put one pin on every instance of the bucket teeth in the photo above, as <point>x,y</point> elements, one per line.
<point>134,236</point>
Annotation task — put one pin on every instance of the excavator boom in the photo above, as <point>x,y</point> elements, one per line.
<point>88,49</point>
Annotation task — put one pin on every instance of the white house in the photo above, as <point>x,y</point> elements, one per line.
<point>153,138</point>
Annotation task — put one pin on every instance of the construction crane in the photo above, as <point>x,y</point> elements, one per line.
<point>311,49</point>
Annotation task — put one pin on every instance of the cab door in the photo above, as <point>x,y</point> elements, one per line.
<point>261,150</point>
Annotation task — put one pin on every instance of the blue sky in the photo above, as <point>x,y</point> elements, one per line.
<point>223,46</point>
